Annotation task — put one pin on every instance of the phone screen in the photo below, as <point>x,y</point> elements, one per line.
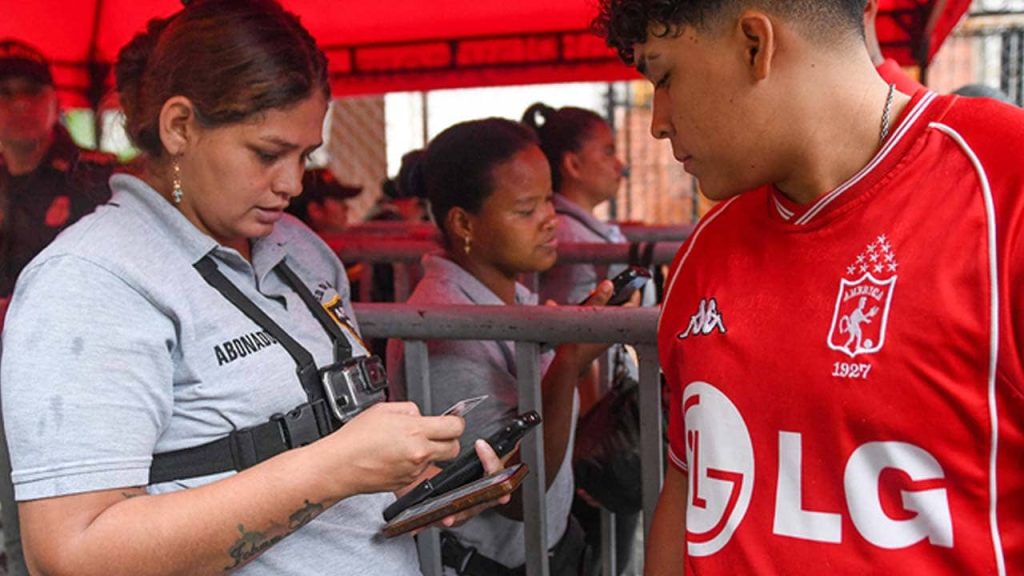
<point>627,283</point>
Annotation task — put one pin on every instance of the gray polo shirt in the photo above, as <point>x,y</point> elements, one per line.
<point>572,283</point>
<point>115,348</point>
<point>462,369</point>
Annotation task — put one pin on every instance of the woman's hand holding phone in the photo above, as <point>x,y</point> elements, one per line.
<point>492,465</point>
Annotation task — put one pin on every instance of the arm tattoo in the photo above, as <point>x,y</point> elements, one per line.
<point>252,543</point>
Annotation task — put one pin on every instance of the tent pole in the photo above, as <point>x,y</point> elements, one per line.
<point>609,95</point>
<point>627,129</point>
<point>424,121</point>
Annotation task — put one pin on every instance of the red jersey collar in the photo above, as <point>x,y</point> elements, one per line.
<point>911,123</point>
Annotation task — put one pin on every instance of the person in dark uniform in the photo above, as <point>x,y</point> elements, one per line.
<point>46,184</point>
<point>46,181</point>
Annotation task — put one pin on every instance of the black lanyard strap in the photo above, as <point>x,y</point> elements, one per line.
<point>246,447</point>
<point>305,365</point>
<point>298,427</point>
<point>342,348</point>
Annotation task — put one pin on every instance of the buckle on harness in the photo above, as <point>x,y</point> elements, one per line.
<point>298,425</point>
<point>454,554</point>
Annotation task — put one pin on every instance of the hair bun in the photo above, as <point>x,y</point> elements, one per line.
<point>132,60</point>
<point>412,178</point>
<point>130,73</point>
<point>530,117</point>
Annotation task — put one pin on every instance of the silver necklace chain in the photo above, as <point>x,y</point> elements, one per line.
<point>885,114</point>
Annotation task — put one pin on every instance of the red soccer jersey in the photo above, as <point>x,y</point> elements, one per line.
<point>847,381</point>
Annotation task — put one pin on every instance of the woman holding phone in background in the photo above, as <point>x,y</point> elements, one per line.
<point>489,187</point>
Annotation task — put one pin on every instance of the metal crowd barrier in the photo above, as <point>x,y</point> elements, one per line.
<point>528,327</point>
<point>633,231</point>
<point>403,252</point>
<point>382,249</point>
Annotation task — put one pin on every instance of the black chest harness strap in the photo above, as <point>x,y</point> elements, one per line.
<point>300,426</point>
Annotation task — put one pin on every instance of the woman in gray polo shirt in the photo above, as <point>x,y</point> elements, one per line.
<point>585,173</point>
<point>116,348</point>
<point>489,187</point>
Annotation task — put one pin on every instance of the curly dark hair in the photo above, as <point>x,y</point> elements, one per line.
<point>623,23</point>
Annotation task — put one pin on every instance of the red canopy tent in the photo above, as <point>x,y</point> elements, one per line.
<point>376,47</point>
<point>912,31</point>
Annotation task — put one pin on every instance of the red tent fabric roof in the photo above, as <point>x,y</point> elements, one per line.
<point>377,47</point>
<point>912,31</point>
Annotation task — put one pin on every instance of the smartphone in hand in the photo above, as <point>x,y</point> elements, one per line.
<point>467,467</point>
<point>626,283</point>
<point>478,492</point>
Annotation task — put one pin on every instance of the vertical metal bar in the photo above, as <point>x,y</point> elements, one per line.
<point>627,124</point>
<point>650,431</point>
<point>400,276</point>
<point>425,117</point>
<point>531,281</point>
<point>608,549</point>
<point>1006,62</point>
<point>609,115</point>
<point>1016,77</point>
<point>417,386</point>
<point>532,446</point>
<point>1018,98</point>
<point>417,374</point>
<point>366,283</point>
<point>606,368</point>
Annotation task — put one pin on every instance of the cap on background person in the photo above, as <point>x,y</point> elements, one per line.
<point>319,184</point>
<point>322,203</point>
<point>19,59</point>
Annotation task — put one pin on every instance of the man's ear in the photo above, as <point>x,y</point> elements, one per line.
<point>177,124</point>
<point>758,31</point>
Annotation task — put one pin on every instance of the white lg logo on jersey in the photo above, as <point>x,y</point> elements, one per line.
<point>929,519</point>
<point>722,474</point>
<point>721,463</point>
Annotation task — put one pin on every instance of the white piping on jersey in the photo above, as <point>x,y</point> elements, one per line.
<point>993,409</point>
<point>786,213</point>
<point>827,199</point>
<point>693,241</point>
<point>672,456</point>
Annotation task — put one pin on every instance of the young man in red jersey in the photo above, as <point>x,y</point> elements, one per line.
<point>842,334</point>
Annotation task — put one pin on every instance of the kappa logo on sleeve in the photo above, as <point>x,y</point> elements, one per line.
<point>862,305</point>
<point>707,320</point>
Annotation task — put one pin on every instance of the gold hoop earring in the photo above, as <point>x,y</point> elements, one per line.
<point>177,193</point>
<point>466,246</point>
